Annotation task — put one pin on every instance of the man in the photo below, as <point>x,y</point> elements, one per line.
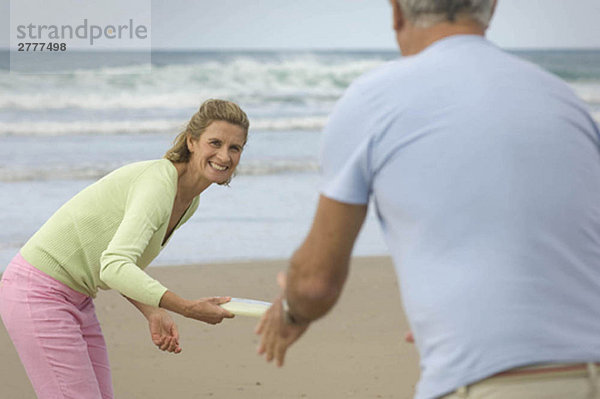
<point>485,174</point>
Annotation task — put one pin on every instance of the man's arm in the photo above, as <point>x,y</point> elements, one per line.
<point>316,276</point>
<point>319,268</point>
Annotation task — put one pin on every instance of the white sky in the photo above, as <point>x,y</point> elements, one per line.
<point>364,24</point>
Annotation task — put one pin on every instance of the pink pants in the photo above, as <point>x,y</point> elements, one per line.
<point>56,334</point>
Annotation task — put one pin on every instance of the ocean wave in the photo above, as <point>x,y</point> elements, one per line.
<point>588,92</point>
<point>98,101</point>
<point>271,167</point>
<point>8,175</point>
<point>173,100</point>
<point>243,79</point>
<point>96,171</point>
<point>79,128</point>
<point>283,124</point>
<point>82,128</point>
<point>252,80</point>
<point>177,100</point>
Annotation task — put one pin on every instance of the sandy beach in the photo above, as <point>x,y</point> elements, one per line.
<point>357,350</point>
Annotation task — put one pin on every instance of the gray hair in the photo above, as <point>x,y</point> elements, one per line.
<point>426,13</point>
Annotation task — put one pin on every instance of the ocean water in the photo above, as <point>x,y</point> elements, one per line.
<point>61,132</point>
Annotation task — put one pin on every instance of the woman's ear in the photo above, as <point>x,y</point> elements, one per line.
<point>189,141</point>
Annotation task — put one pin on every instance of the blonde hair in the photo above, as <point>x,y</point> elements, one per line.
<point>210,111</point>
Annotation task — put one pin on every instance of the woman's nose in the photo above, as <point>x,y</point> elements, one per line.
<point>223,154</point>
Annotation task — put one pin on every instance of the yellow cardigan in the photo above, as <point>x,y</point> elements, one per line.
<point>108,233</point>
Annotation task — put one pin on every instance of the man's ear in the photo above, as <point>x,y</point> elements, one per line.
<point>398,16</point>
<point>494,4</point>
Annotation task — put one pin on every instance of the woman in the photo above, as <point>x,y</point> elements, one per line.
<point>103,238</point>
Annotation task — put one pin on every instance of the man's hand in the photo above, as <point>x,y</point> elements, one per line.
<point>164,331</point>
<point>317,272</point>
<point>277,335</point>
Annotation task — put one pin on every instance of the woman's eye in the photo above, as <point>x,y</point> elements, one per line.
<point>215,143</point>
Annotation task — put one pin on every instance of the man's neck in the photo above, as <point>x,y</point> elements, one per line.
<point>413,40</point>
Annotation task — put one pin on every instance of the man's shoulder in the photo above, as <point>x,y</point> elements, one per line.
<point>381,75</point>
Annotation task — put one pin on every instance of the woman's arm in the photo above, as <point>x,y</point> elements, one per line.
<point>163,330</point>
<point>149,207</point>
<point>146,310</point>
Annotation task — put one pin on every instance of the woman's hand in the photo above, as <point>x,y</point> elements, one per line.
<point>208,310</point>
<point>164,331</point>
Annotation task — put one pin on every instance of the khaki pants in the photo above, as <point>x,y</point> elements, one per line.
<point>557,381</point>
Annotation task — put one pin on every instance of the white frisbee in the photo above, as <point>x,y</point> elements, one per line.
<point>246,307</point>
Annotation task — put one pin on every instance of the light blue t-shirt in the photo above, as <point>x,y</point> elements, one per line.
<point>485,174</point>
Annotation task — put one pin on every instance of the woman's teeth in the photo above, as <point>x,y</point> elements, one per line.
<point>218,167</point>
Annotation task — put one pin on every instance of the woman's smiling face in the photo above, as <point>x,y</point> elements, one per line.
<point>216,153</point>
